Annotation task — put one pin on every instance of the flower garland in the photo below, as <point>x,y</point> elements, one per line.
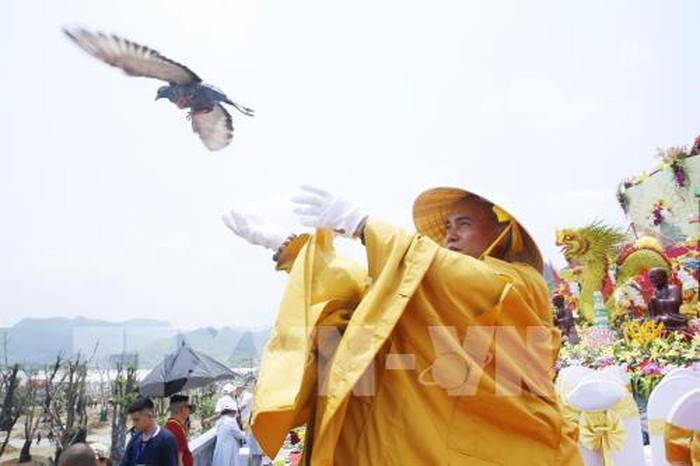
<point>646,359</point>
<point>659,211</point>
<point>622,197</point>
<point>695,150</point>
<point>674,158</point>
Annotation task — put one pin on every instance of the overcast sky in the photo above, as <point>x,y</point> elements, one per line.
<point>111,206</point>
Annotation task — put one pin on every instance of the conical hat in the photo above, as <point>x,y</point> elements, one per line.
<point>432,207</point>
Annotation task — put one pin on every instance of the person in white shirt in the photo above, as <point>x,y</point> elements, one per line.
<point>228,436</point>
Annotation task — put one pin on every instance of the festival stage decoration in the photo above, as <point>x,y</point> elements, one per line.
<point>185,89</point>
<point>663,203</point>
<point>599,262</point>
<point>663,210</point>
<point>645,356</point>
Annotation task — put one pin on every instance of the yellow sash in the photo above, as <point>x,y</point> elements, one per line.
<point>602,431</point>
<point>656,427</point>
<point>682,445</point>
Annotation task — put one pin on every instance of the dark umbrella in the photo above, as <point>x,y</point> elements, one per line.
<point>184,369</point>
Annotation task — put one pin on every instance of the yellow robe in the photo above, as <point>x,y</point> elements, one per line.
<point>433,368</point>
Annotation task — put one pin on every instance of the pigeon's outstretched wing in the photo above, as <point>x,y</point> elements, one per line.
<point>214,127</point>
<point>133,58</point>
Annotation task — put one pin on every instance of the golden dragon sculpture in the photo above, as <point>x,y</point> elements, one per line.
<point>593,249</point>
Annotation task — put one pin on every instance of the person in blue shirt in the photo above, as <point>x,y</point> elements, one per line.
<point>151,445</point>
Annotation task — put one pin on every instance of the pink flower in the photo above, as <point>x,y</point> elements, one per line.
<point>650,369</point>
<point>604,362</point>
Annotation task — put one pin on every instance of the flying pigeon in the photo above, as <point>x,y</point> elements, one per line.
<point>185,89</point>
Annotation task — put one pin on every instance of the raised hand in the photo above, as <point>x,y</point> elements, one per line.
<point>255,230</point>
<point>318,208</point>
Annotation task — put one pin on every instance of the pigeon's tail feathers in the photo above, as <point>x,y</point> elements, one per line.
<point>214,127</point>
<point>244,110</point>
<point>218,95</point>
<point>134,59</point>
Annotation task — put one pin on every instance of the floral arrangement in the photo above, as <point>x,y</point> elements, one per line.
<point>570,300</point>
<point>594,357</point>
<point>594,337</point>
<point>622,197</point>
<point>695,150</point>
<point>646,351</point>
<point>643,333</point>
<point>648,361</point>
<point>659,211</point>
<point>629,303</point>
<point>674,158</point>
<point>291,452</point>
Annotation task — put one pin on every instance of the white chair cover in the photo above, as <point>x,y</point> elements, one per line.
<point>598,394</point>
<point>616,373</point>
<point>569,378</point>
<point>686,411</point>
<point>685,415</point>
<point>661,401</point>
<point>681,371</point>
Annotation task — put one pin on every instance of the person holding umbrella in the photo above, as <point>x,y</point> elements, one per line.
<point>150,445</point>
<point>182,370</point>
<point>180,410</point>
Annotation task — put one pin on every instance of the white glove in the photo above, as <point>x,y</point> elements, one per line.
<point>320,209</point>
<point>255,230</point>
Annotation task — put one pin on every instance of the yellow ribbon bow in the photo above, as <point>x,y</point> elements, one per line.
<point>602,431</point>
<point>682,446</point>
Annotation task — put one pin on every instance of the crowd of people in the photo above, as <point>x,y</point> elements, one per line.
<point>168,445</point>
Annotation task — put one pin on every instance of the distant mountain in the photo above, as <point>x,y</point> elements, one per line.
<point>230,345</point>
<point>38,341</point>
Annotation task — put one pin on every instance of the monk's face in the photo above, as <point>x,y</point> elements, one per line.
<point>658,277</point>
<point>471,228</point>
<point>558,301</point>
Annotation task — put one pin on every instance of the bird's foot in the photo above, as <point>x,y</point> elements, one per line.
<point>183,102</point>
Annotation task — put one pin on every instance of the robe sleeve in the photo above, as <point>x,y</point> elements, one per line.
<point>236,430</point>
<point>322,292</point>
<point>459,280</point>
<point>499,304</point>
<point>289,254</point>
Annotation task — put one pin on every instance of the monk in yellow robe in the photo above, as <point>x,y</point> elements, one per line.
<point>440,353</point>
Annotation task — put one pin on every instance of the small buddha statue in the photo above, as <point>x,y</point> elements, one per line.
<point>666,301</point>
<point>564,319</point>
